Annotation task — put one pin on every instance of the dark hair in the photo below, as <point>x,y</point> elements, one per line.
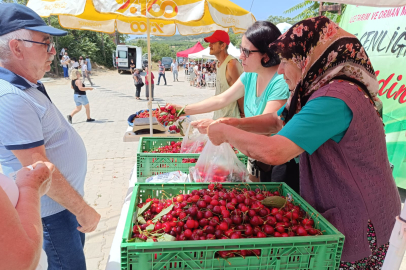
<point>261,34</point>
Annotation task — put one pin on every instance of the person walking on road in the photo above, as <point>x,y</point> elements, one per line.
<point>80,96</point>
<point>147,84</point>
<point>161,69</point>
<point>85,73</point>
<point>174,69</point>
<point>138,83</point>
<point>43,134</point>
<point>89,65</point>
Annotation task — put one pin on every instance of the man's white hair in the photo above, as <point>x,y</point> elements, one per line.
<point>5,52</point>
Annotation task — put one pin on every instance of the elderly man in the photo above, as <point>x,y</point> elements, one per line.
<point>33,129</point>
<point>228,72</point>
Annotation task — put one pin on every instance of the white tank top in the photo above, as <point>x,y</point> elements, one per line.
<point>221,86</point>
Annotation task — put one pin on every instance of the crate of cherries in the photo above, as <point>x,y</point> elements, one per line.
<point>235,222</point>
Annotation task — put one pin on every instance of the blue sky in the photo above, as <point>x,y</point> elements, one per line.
<point>262,9</point>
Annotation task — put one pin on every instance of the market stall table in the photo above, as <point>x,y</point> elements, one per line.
<point>114,260</point>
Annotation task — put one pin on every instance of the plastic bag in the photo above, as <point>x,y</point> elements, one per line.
<point>171,177</point>
<point>218,164</point>
<point>193,143</point>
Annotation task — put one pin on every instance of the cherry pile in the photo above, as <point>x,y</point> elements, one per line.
<point>174,128</point>
<point>174,147</point>
<point>189,160</point>
<point>165,115</point>
<point>218,213</point>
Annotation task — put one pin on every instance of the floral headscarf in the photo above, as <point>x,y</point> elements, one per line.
<point>323,51</point>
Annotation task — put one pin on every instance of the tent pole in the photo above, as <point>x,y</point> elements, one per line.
<point>151,132</point>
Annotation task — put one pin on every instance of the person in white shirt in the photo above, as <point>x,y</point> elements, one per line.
<point>65,63</point>
<point>85,73</point>
<point>174,69</point>
<point>62,53</point>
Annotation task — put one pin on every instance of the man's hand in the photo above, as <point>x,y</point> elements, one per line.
<point>231,121</point>
<point>38,179</point>
<point>88,219</point>
<point>202,125</point>
<point>216,133</point>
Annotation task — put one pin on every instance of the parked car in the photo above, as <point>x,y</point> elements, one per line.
<point>167,61</point>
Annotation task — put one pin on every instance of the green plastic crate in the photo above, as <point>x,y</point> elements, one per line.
<point>306,252</point>
<point>149,164</point>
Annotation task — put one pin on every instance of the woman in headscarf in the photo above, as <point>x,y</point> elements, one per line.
<point>331,121</point>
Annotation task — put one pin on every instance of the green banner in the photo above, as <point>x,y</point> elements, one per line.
<point>382,32</point>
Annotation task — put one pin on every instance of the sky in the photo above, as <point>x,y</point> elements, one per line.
<point>262,9</point>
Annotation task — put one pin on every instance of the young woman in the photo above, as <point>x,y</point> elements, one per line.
<point>80,96</point>
<point>263,89</point>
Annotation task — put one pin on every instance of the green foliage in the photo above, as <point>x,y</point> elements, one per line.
<point>311,9</point>
<point>22,2</point>
<point>169,46</point>
<point>280,19</point>
<point>83,43</point>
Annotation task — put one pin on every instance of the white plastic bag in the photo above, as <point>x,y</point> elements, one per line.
<point>171,177</point>
<point>193,143</point>
<point>218,164</point>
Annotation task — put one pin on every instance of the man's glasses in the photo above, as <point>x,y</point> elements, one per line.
<point>50,46</point>
<point>247,52</point>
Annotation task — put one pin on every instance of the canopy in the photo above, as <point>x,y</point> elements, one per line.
<point>196,48</point>
<point>139,17</point>
<point>375,3</point>
<point>188,17</point>
<point>205,54</point>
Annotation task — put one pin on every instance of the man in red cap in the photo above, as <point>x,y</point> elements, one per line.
<point>228,72</point>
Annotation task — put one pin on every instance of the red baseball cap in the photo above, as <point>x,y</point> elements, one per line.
<point>218,35</point>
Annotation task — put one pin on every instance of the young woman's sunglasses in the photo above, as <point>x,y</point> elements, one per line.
<point>247,52</point>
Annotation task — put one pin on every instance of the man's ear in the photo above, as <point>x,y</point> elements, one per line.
<point>223,46</point>
<point>16,49</point>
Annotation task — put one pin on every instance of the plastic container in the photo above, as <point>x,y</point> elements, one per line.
<point>299,252</point>
<point>149,164</point>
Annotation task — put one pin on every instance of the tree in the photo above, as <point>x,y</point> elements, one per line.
<point>280,19</point>
<point>85,43</point>
<point>22,2</point>
<point>311,9</point>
